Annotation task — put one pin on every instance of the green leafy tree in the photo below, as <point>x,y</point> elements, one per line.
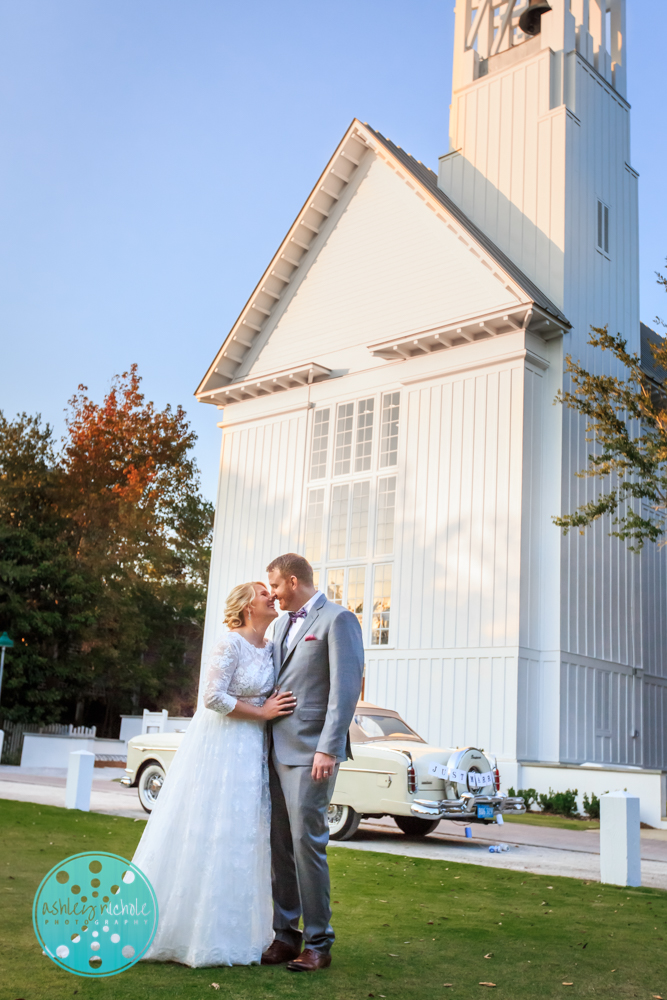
<point>627,422</point>
<point>46,602</point>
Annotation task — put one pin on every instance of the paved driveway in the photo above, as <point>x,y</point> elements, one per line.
<point>542,850</point>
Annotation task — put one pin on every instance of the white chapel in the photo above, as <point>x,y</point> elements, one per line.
<point>386,402</point>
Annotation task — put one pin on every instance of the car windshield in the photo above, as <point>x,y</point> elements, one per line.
<point>383,727</point>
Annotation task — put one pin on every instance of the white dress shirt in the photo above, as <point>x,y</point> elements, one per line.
<point>293,629</point>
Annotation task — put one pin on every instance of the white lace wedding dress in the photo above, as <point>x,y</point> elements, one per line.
<point>206,847</point>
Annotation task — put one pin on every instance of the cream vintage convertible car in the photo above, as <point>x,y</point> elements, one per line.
<point>394,773</point>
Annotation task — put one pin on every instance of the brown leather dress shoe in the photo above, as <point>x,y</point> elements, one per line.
<point>279,952</point>
<point>310,961</point>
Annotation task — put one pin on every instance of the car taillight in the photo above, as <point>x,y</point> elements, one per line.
<point>496,775</point>
<point>412,778</point>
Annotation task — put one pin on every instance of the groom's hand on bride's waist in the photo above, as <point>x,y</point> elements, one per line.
<point>323,766</point>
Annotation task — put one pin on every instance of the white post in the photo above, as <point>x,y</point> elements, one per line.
<point>155,722</point>
<point>2,740</point>
<point>619,839</point>
<point>79,780</point>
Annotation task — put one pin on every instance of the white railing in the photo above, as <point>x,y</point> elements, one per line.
<point>13,739</point>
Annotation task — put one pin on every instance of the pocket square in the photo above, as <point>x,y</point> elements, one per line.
<point>311,638</point>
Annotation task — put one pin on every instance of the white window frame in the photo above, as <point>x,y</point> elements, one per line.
<point>345,570</point>
<point>373,475</point>
<point>601,207</point>
<point>331,431</point>
<point>382,645</point>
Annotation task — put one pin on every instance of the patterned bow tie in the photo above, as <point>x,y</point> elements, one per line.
<point>295,615</point>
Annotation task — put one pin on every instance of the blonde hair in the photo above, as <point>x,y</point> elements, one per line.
<point>238,600</point>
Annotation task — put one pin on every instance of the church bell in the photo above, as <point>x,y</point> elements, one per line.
<point>529,22</point>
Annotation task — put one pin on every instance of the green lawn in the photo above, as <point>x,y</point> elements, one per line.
<point>549,819</point>
<point>405,928</point>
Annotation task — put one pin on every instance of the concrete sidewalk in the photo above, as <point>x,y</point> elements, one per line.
<point>46,786</point>
<point>542,850</point>
<point>653,842</point>
<point>653,848</point>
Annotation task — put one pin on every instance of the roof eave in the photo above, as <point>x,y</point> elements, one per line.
<point>355,128</point>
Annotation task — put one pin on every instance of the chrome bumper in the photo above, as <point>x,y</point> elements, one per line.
<point>466,806</point>
<point>126,780</point>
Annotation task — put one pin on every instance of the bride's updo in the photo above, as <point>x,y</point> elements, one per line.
<point>237,601</point>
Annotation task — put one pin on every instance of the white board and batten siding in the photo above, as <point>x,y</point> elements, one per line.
<point>540,144</point>
<point>507,166</point>
<point>258,507</point>
<point>457,582</point>
<point>450,700</point>
<point>653,725</point>
<point>459,547</point>
<point>613,601</point>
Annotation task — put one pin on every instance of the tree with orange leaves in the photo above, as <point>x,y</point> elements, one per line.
<point>136,532</point>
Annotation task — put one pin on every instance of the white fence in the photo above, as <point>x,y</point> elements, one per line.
<point>14,732</point>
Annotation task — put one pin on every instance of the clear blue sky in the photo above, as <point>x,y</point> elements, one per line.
<point>154,152</point>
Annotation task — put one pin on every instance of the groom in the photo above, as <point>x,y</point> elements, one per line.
<point>318,654</point>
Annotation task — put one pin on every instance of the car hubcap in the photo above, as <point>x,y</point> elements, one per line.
<point>153,786</point>
<point>335,815</point>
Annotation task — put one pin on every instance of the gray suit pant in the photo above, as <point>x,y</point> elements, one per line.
<point>299,838</point>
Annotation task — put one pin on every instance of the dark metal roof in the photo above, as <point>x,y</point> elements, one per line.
<point>429,179</point>
<point>648,337</point>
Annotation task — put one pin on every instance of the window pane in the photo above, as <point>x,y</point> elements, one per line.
<point>379,727</point>
<point>381,605</point>
<point>361,496</point>
<point>355,591</point>
<point>343,453</point>
<point>600,225</point>
<point>335,581</point>
<point>364,443</point>
<point>318,456</point>
<point>316,579</point>
<point>339,510</point>
<point>389,431</point>
<point>384,534</point>
<point>606,229</point>
<point>314,513</point>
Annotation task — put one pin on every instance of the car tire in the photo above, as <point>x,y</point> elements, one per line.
<point>149,784</point>
<point>413,826</point>
<point>343,822</point>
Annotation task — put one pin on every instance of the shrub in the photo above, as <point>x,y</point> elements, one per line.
<point>563,803</point>
<point>592,805</point>
<point>529,796</point>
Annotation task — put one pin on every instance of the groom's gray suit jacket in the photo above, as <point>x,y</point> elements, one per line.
<point>324,668</point>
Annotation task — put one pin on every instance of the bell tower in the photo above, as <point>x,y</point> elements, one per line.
<point>539,159</point>
<point>539,147</point>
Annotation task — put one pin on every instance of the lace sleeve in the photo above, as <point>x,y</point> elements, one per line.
<point>223,664</point>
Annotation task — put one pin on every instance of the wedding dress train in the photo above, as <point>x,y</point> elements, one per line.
<point>206,846</point>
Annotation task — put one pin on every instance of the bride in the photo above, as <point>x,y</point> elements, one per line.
<point>206,848</point>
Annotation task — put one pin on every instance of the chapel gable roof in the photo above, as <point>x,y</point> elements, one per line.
<point>301,244</point>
